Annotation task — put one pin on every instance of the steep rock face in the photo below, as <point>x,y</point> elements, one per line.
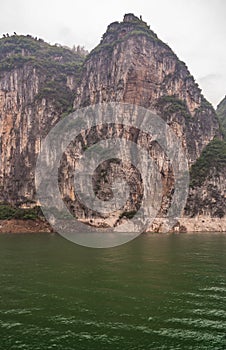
<point>36,88</point>
<point>209,199</point>
<point>132,65</point>
<point>39,84</point>
<point>208,183</point>
<point>23,127</point>
<point>221,113</point>
<point>208,176</point>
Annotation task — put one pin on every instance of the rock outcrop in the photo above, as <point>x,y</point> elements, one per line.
<point>37,87</point>
<point>40,84</point>
<point>221,113</point>
<point>132,65</point>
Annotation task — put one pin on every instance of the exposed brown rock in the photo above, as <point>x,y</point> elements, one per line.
<point>131,65</point>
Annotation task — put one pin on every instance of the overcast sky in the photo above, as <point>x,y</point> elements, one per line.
<point>194,29</point>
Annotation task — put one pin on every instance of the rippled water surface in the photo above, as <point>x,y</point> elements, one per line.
<point>157,292</point>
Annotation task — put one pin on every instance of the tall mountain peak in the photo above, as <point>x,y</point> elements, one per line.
<point>40,83</point>
<point>131,64</point>
<point>130,26</point>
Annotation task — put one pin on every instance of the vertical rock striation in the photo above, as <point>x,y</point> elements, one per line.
<point>39,84</point>
<point>132,65</point>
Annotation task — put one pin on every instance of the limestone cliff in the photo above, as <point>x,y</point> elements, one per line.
<point>208,176</point>
<point>208,182</point>
<point>221,113</point>
<point>132,65</point>
<point>39,84</point>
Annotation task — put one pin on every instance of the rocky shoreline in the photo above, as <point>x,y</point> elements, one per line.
<point>202,224</point>
<point>24,226</point>
<point>198,224</point>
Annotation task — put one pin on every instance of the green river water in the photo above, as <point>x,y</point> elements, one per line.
<point>156,292</point>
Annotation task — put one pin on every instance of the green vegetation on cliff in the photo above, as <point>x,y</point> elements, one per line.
<point>8,212</point>
<point>55,63</point>
<point>221,113</point>
<point>120,31</point>
<point>212,157</point>
<point>18,49</point>
<point>170,104</point>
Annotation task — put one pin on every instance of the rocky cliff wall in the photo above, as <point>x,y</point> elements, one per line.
<point>40,84</point>
<point>36,89</point>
